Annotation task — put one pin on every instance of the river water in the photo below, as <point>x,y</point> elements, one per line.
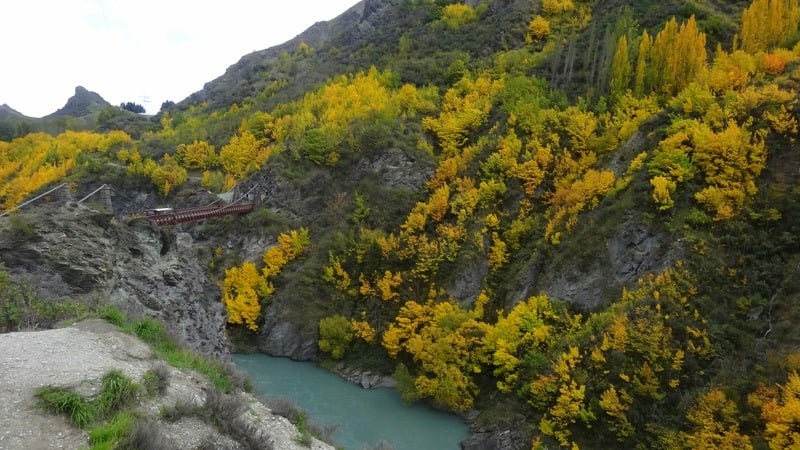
<point>363,417</point>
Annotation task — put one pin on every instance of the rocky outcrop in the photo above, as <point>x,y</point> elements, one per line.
<point>77,357</point>
<point>140,269</point>
<point>364,378</point>
<point>83,103</point>
<point>631,250</point>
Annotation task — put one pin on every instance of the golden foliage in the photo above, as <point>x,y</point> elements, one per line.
<point>244,287</point>
<point>243,155</point>
<point>444,340</point>
<point>780,411</point>
<point>767,23</point>
<point>240,295</point>
<point>676,57</point>
<point>568,201</point>
<point>456,15</point>
<point>663,188</point>
<point>538,29</point>
<point>555,7</point>
<point>465,107</point>
<point>30,162</point>
<point>197,155</point>
<point>715,420</point>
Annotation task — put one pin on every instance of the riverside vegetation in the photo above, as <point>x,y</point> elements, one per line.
<point>579,219</point>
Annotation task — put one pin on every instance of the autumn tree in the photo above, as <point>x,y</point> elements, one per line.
<point>620,68</point>
<point>456,15</point>
<point>715,421</point>
<point>443,340</point>
<point>780,412</point>
<point>675,58</point>
<point>240,295</point>
<point>197,155</point>
<point>245,287</point>
<point>242,155</point>
<point>767,23</point>
<point>538,29</point>
<point>640,76</point>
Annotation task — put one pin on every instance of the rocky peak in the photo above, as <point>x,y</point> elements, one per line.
<point>7,112</point>
<point>83,103</point>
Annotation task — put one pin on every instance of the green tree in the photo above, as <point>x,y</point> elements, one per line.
<point>335,334</point>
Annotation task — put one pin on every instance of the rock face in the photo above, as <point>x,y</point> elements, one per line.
<point>631,251</point>
<point>76,358</point>
<point>141,270</point>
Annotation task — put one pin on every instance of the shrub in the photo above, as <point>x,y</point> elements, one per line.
<point>146,435</point>
<point>183,407</point>
<point>335,334</point>
<point>538,29</point>
<point>156,380</point>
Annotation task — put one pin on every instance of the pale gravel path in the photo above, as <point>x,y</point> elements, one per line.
<point>78,357</point>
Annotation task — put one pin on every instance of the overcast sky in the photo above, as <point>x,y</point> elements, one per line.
<point>143,51</point>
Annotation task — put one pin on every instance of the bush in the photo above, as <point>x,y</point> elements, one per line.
<point>183,407</point>
<point>156,380</point>
<point>146,435</point>
<point>226,411</point>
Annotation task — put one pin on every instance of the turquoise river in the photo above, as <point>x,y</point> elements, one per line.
<point>362,417</point>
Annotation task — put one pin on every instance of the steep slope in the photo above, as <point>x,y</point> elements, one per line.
<point>573,221</point>
<point>77,357</point>
<point>86,253</point>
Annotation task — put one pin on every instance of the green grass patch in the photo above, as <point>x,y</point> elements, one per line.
<point>71,404</point>
<point>118,391</point>
<point>153,332</point>
<point>108,435</point>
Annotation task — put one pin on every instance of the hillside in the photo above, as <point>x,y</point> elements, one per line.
<point>572,221</point>
<point>80,357</point>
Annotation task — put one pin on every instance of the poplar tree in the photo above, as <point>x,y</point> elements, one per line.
<point>620,68</point>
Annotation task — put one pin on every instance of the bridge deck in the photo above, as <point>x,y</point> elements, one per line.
<point>172,217</point>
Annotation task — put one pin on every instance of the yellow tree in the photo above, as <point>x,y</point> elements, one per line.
<point>197,155</point>
<point>242,155</point>
<point>677,57</point>
<point>640,80</point>
<point>780,411</point>
<point>240,295</point>
<point>620,69</point>
<point>767,23</point>
<point>715,420</point>
<point>444,341</point>
<point>538,29</point>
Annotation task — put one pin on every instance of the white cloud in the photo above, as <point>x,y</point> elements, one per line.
<point>140,50</point>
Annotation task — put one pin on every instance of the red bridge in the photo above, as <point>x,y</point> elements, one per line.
<point>169,216</point>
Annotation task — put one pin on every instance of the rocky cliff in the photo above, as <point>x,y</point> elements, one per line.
<point>87,253</point>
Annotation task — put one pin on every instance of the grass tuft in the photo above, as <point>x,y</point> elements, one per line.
<point>118,391</point>
<point>61,401</point>
<point>106,435</point>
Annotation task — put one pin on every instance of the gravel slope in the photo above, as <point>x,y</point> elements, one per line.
<point>78,357</point>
